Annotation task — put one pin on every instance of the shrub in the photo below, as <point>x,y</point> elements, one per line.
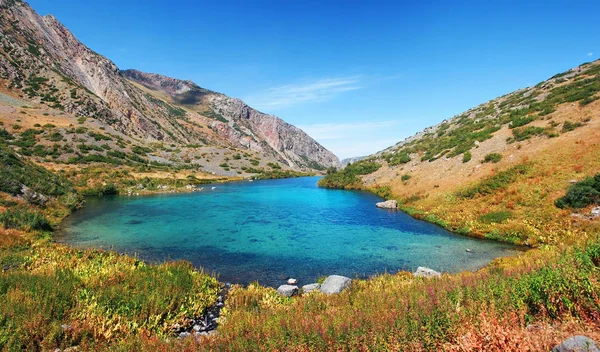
<point>140,150</point>
<point>492,158</point>
<point>521,134</point>
<point>406,177</point>
<point>519,121</point>
<point>581,194</point>
<point>348,176</point>
<point>55,137</point>
<point>467,157</point>
<point>397,158</point>
<point>101,190</point>
<point>569,126</point>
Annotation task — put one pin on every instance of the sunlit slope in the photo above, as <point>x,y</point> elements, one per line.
<point>528,145</point>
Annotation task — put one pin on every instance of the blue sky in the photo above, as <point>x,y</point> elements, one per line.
<point>356,75</point>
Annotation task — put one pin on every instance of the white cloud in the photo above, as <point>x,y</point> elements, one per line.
<point>328,131</point>
<point>350,139</point>
<point>317,91</point>
<point>590,54</point>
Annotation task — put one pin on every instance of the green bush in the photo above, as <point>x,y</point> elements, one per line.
<point>581,194</point>
<point>521,134</point>
<point>348,176</point>
<point>397,158</point>
<point>101,190</point>
<point>406,177</point>
<point>492,158</point>
<point>569,126</point>
<point>519,121</point>
<point>467,157</point>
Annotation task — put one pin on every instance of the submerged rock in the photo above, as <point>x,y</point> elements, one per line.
<point>310,287</point>
<point>335,284</point>
<point>577,343</point>
<point>426,272</point>
<point>388,204</point>
<point>287,290</point>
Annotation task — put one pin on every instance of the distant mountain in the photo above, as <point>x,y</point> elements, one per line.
<point>354,159</point>
<point>42,63</point>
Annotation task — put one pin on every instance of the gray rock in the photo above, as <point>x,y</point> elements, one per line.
<point>311,287</point>
<point>335,284</point>
<point>426,272</point>
<point>184,334</point>
<point>287,290</point>
<point>388,204</point>
<point>577,343</point>
<point>292,281</point>
<point>33,197</point>
<point>595,212</point>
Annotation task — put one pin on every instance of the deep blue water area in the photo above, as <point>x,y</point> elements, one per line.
<point>269,230</point>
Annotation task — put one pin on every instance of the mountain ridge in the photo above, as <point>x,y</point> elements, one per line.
<point>43,62</point>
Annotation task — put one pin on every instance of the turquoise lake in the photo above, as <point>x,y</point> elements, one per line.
<point>270,230</point>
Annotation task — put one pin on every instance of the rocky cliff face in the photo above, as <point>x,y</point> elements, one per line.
<point>241,124</point>
<point>42,61</point>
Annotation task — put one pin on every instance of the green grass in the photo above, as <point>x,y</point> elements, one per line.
<point>23,218</point>
<point>15,171</point>
<point>501,180</point>
<point>102,297</point>
<point>497,217</point>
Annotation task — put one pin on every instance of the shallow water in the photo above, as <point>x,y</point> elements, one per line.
<point>273,229</point>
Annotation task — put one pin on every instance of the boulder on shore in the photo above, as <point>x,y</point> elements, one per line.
<point>335,284</point>
<point>426,272</point>
<point>577,343</point>
<point>287,290</point>
<point>310,287</point>
<point>388,204</point>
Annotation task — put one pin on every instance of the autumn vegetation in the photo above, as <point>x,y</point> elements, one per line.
<point>546,169</point>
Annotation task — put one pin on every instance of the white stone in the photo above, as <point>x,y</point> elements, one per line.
<point>426,272</point>
<point>311,287</point>
<point>388,204</point>
<point>335,284</point>
<point>287,290</point>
